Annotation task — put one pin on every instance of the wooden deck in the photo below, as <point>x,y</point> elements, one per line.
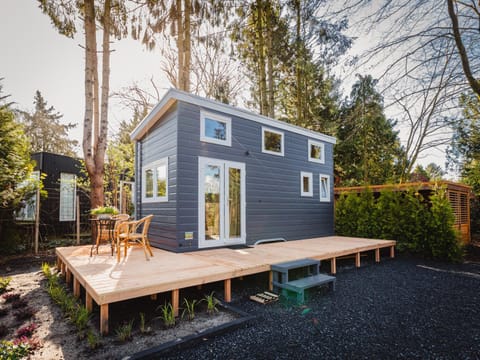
<point>106,281</point>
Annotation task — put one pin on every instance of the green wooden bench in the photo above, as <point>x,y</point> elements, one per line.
<point>281,278</point>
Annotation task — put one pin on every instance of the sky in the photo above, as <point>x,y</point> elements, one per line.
<point>35,57</point>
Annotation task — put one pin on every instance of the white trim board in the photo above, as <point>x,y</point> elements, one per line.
<point>174,95</point>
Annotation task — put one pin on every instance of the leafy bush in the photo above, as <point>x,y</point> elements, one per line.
<point>419,226</point>
<point>12,351</point>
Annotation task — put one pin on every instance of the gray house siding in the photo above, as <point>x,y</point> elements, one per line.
<point>159,143</point>
<point>274,205</point>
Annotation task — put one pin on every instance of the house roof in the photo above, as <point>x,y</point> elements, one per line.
<point>174,95</point>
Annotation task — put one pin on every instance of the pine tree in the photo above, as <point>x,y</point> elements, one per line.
<point>44,129</point>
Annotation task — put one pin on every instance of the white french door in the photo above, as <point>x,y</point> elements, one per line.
<point>221,202</point>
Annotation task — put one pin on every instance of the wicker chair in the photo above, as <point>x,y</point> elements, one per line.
<point>134,233</point>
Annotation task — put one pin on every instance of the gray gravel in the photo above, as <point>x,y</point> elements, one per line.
<point>402,308</point>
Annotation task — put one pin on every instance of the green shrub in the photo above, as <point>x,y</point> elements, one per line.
<point>418,226</point>
<point>189,310</point>
<point>11,351</point>
<point>212,303</point>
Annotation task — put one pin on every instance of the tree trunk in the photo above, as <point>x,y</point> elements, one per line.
<point>90,69</point>
<point>270,55</point>
<point>187,46</point>
<point>260,43</point>
<point>180,48</point>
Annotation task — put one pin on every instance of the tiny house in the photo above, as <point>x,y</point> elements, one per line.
<point>216,175</point>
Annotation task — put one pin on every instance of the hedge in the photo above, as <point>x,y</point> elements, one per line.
<point>418,225</point>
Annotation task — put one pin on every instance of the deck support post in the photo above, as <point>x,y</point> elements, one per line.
<point>88,301</point>
<point>270,280</point>
<point>153,297</point>
<point>392,251</point>
<point>175,301</point>
<point>104,319</point>
<point>68,277</point>
<point>62,268</point>
<point>333,265</point>
<point>228,290</point>
<point>76,287</point>
<point>357,259</point>
<point>377,255</point>
<point>59,263</point>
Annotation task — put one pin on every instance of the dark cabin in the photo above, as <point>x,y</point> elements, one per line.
<point>58,208</point>
<point>215,175</point>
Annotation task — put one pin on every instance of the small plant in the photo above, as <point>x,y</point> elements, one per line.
<point>31,343</point>
<point>4,282</point>
<point>93,340</point>
<point>19,304</point>
<point>3,330</point>
<point>212,303</point>
<point>11,297</point>
<point>26,331</point>
<point>143,328</point>
<point>24,313</point>
<point>108,210</point>
<point>11,351</point>
<point>168,315</point>
<point>189,309</point>
<point>81,318</point>
<point>124,332</point>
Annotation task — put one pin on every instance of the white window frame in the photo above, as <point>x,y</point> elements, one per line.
<point>153,166</point>
<point>308,175</point>
<point>228,132</point>
<point>324,198</point>
<point>281,153</point>
<point>319,144</point>
<point>61,215</point>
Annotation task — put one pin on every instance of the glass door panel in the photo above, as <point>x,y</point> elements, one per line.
<point>234,203</point>
<point>212,202</point>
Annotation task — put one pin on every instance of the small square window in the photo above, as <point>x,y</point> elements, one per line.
<point>306,183</point>
<point>155,181</point>
<point>316,151</point>
<point>215,129</point>
<point>272,141</point>
<point>324,188</point>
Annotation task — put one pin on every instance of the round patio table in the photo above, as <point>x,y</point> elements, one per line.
<point>103,230</point>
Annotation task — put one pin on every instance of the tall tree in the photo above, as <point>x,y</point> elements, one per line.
<point>110,17</point>
<point>463,154</point>
<point>261,37</point>
<point>368,148</point>
<point>44,129</point>
<point>181,20</point>
<point>15,163</point>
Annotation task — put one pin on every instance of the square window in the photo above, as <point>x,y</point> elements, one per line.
<point>155,181</point>
<point>272,141</point>
<point>306,180</point>
<point>324,188</point>
<point>215,129</point>
<point>316,151</point>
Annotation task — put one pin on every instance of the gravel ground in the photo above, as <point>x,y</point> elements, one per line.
<point>402,308</point>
